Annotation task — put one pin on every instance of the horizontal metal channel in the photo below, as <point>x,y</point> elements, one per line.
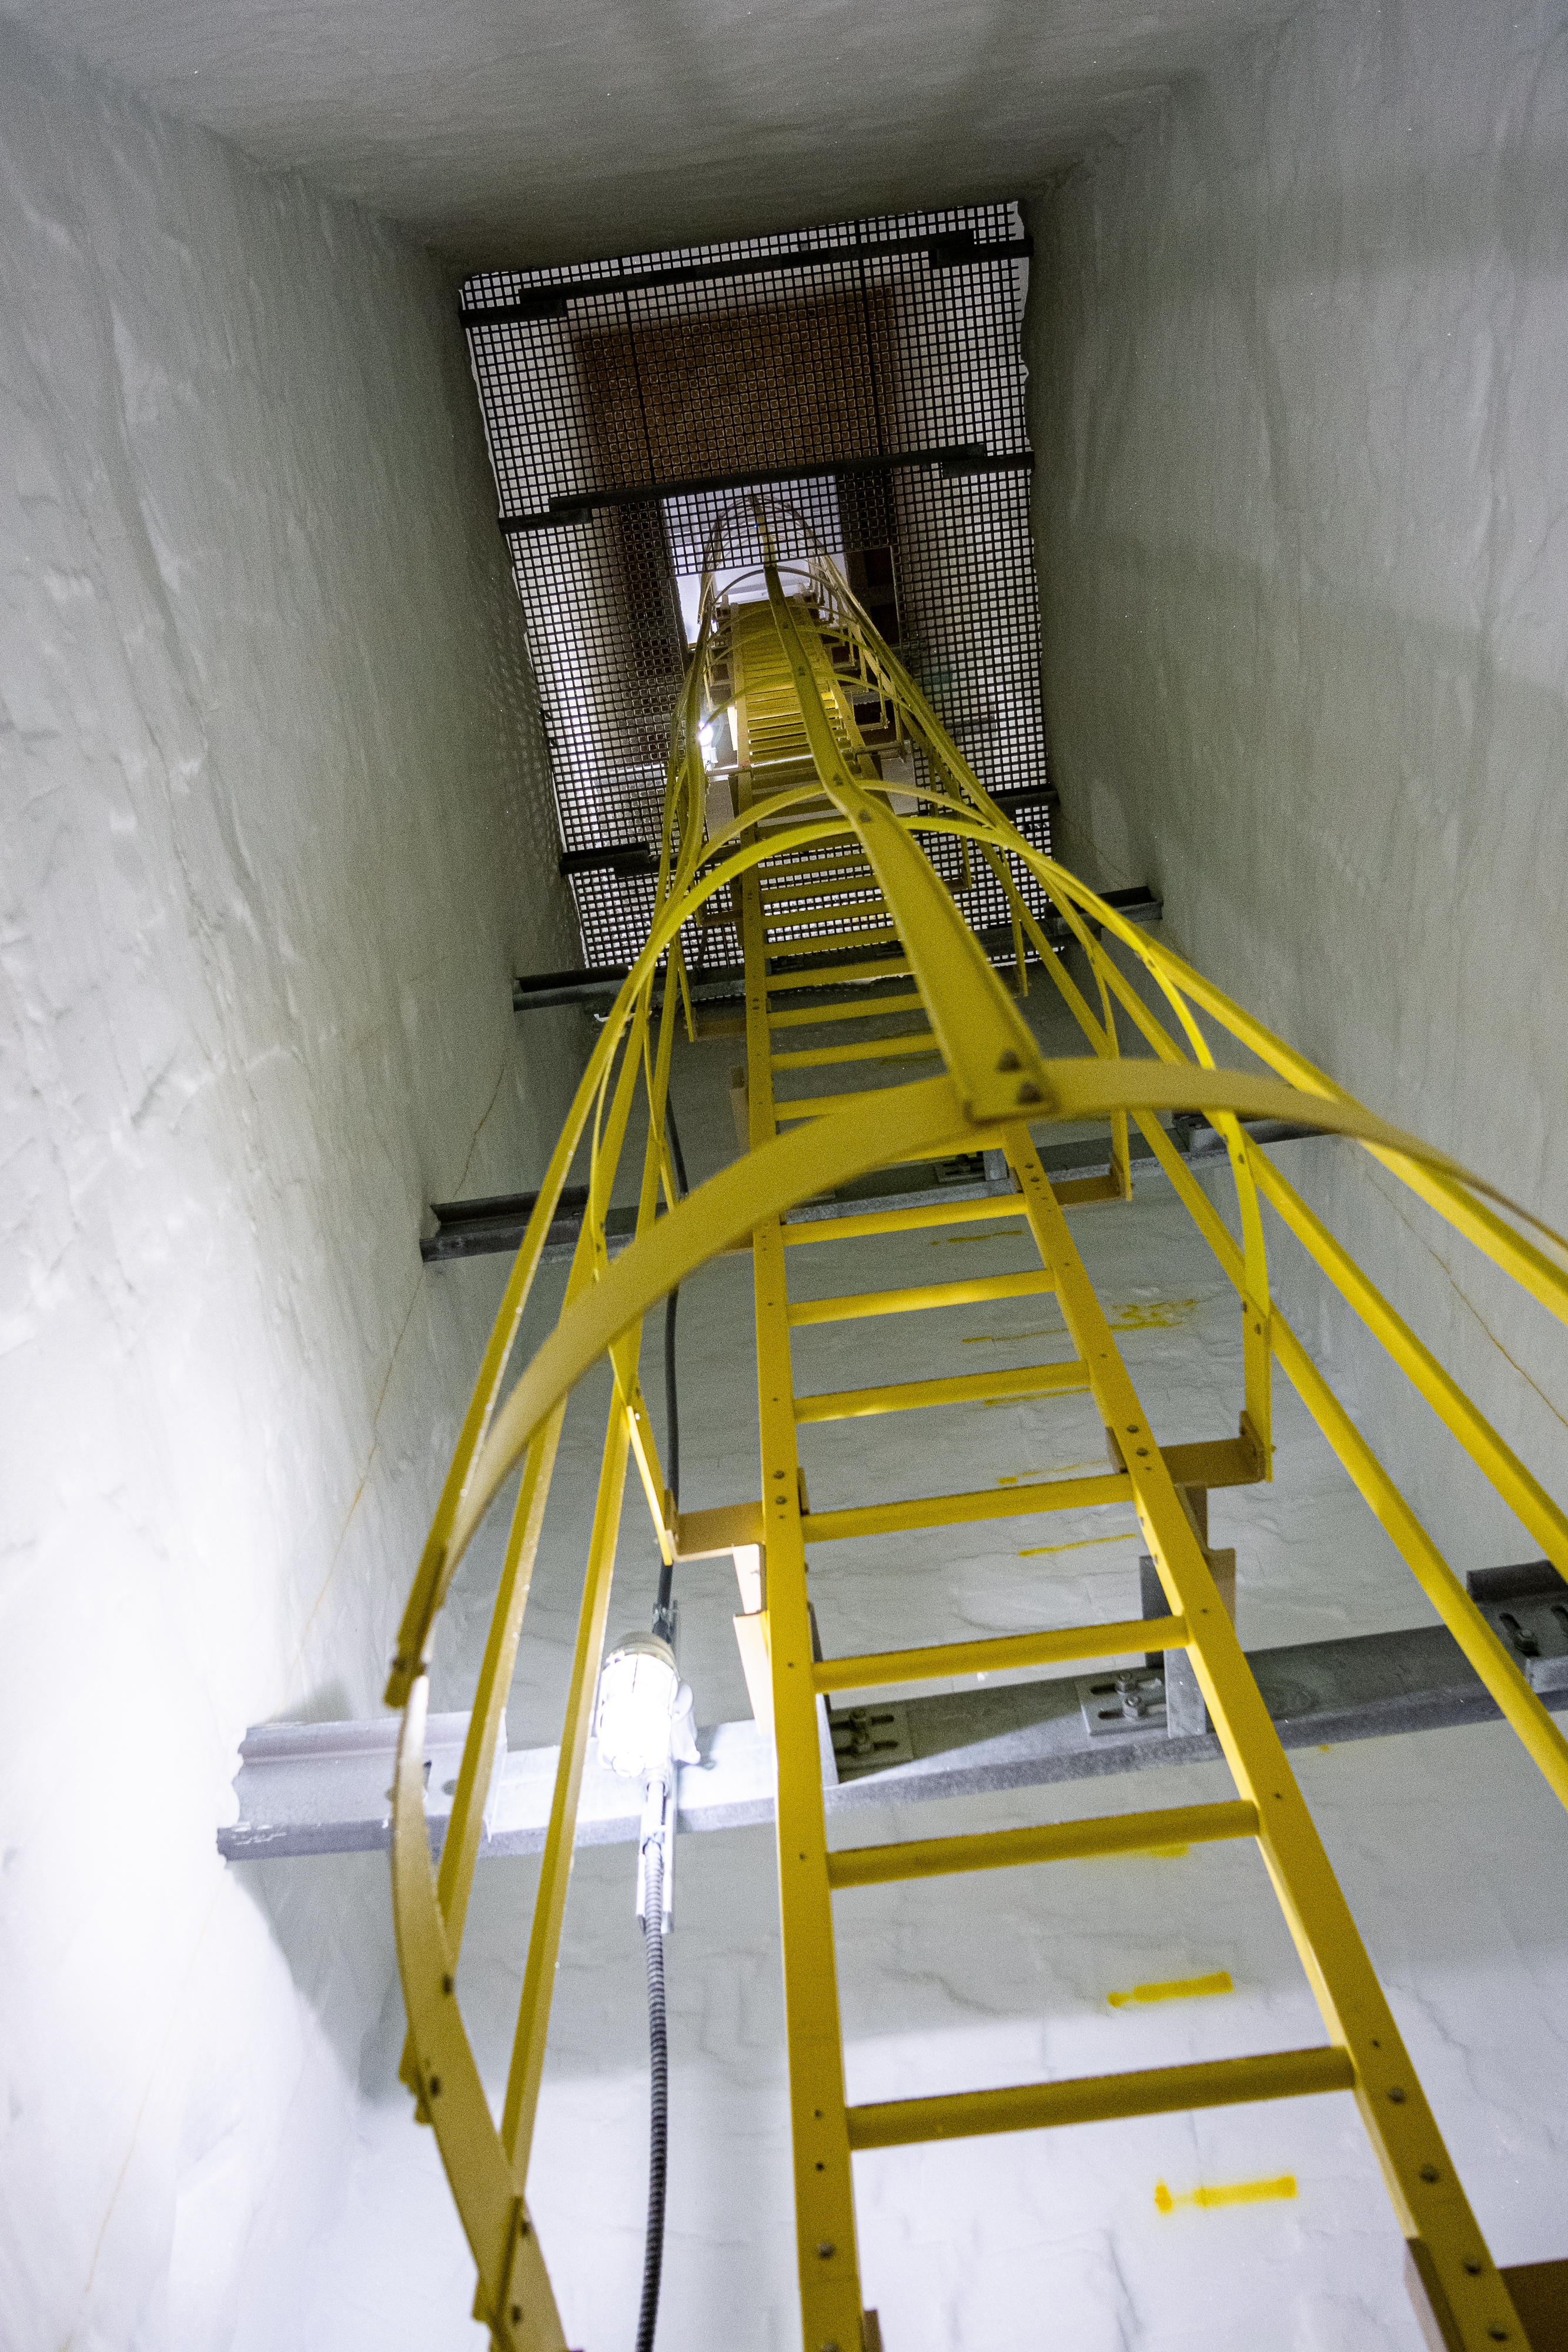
<point>965,1510</point>
<point>999,1654</point>
<point>308,1789</point>
<point>954,460</point>
<point>918,1297</point>
<point>943,251</point>
<point>1103,2098</point>
<point>1171,1826</point>
<point>963,1388</point>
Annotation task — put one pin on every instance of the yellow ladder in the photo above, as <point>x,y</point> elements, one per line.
<point>1364,2051</point>
<point>818,839</point>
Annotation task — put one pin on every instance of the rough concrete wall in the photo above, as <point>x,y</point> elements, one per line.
<point>275,833</point>
<point>1298,362</point>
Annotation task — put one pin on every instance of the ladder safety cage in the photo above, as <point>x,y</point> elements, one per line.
<point>797,822</point>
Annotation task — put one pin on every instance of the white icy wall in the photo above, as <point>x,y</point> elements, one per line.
<point>1299,354</point>
<point>275,834</point>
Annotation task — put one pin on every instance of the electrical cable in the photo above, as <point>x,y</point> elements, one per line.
<point>659,2071</point>
<point>653,1850</point>
<point>675,1153</point>
<point>672,1401</point>
<point>663,1610</point>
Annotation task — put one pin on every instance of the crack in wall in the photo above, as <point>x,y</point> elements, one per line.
<point>1393,1202</point>
<point>175,2011</point>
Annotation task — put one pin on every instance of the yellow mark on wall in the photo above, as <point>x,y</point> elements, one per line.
<point>1235,2192</point>
<point>998,1233</point>
<point>1084,1543</point>
<point>1037,1478</point>
<point>1176,1988</point>
<point>1152,1314</point>
<point>1009,1339</point>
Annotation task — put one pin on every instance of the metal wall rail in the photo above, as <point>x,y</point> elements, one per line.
<point>808,794</point>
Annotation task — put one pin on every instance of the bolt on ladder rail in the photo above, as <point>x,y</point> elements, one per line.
<point>815,828</point>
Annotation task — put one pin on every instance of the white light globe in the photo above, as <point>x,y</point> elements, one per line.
<point>638,1690</point>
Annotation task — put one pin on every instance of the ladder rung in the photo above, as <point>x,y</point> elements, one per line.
<point>999,1653</point>
<point>787,949</point>
<point>918,1046</point>
<point>862,1008</point>
<point>788,866</point>
<point>788,782</point>
<point>1098,2098</point>
<point>836,975</point>
<point>835,902</point>
<point>964,1510</point>
<point>901,1221</point>
<point>787,891</point>
<point>873,920</point>
<point>918,1297</point>
<point>805,1106</point>
<point>875,1865</point>
<point>963,1388</point>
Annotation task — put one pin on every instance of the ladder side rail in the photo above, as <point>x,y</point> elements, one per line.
<point>623,1349</point>
<point>1520,1707</point>
<point>513,2296</point>
<point>1433,2212</point>
<point>464,1828</point>
<point>826,2238</point>
<point>1523,1493</point>
<point>1453,1193</point>
<point>527,2068</point>
<point>436,1562</point>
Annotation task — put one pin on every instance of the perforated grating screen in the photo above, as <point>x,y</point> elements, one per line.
<point>869,377</point>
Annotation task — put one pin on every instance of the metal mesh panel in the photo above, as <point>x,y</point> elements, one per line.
<point>868,376</point>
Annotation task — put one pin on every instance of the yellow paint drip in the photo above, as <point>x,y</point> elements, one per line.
<point>1039,1477</point>
<point>1009,1339</point>
<point>1235,2192</point>
<point>998,1233</point>
<point>1176,1988</point>
<point>1081,1543</point>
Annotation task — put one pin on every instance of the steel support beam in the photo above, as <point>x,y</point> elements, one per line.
<point>311,1788</point>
